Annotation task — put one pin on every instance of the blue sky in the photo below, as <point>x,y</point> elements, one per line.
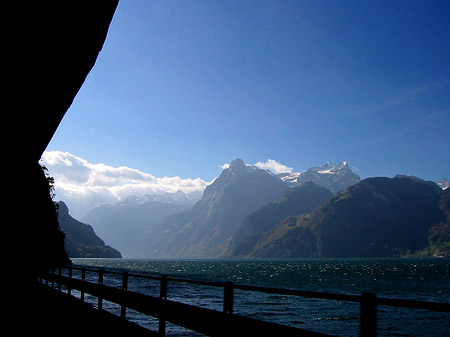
<point>183,87</point>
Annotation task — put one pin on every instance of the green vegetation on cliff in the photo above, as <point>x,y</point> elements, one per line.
<point>294,201</point>
<point>439,238</point>
<point>378,217</point>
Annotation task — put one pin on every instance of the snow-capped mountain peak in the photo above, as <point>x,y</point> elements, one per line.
<point>178,198</point>
<point>333,177</point>
<point>444,183</point>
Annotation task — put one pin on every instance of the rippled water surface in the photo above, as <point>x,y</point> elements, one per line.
<point>417,279</point>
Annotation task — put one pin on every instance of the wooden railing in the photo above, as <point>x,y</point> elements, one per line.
<point>213,322</point>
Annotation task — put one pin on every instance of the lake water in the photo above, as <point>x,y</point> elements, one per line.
<point>415,279</point>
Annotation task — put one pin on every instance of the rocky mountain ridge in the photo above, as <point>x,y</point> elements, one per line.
<point>203,230</point>
<point>378,217</point>
<point>335,178</point>
<point>297,200</point>
<point>123,223</point>
<point>80,239</point>
<point>245,212</point>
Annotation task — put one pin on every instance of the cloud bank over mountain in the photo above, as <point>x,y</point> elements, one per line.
<point>84,185</point>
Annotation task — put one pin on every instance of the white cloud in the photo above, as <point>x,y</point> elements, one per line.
<point>274,166</point>
<point>83,185</point>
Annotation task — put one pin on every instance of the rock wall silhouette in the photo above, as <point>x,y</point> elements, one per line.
<point>50,48</point>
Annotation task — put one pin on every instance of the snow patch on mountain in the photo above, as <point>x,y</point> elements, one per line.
<point>444,183</point>
<point>333,177</point>
<point>178,198</point>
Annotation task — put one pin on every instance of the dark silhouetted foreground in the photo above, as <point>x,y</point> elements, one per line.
<point>48,312</point>
<point>50,47</point>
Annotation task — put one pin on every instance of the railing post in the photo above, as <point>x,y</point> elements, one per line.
<point>83,278</point>
<point>368,316</point>
<point>100,282</point>
<point>53,279</point>
<point>228,295</point>
<point>69,288</point>
<point>59,274</point>
<point>163,288</point>
<point>163,296</point>
<point>123,307</point>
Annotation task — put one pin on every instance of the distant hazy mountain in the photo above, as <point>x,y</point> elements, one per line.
<point>335,178</point>
<point>121,224</point>
<point>376,217</point>
<point>295,201</point>
<point>203,230</point>
<point>81,240</point>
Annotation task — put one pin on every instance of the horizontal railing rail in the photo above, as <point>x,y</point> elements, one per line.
<point>217,323</point>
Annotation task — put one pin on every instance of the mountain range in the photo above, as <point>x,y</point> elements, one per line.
<point>335,178</point>
<point>222,223</point>
<point>121,224</point>
<point>202,230</point>
<point>250,212</point>
<point>80,239</point>
<point>378,217</point>
<point>298,200</point>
